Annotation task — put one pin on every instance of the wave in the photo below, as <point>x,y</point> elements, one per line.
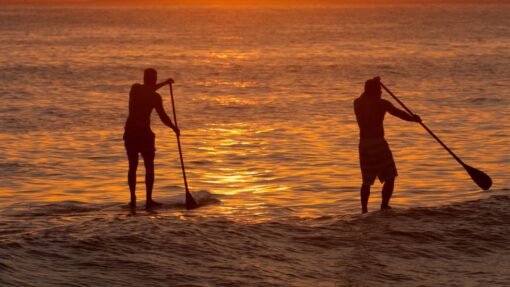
<point>35,209</point>
<point>484,100</point>
<point>463,242</point>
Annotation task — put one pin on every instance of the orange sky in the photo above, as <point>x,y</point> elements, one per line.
<point>250,2</point>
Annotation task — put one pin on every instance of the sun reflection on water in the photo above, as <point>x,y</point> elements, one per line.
<point>264,126</point>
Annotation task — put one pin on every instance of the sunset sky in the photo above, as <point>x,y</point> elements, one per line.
<point>249,2</point>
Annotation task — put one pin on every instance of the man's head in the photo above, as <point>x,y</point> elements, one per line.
<point>136,89</point>
<point>373,88</point>
<point>150,77</point>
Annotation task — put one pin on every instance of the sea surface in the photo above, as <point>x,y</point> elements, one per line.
<point>264,102</point>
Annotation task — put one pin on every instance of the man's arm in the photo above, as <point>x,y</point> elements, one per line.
<point>401,114</point>
<point>167,82</point>
<point>163,116</point>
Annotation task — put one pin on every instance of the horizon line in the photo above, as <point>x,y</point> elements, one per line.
<point>248,2</point>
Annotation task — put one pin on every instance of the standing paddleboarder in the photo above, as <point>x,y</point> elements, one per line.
<point>138,136</point>
<point>375,155</point>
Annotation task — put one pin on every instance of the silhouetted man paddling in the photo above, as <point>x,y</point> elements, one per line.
<point>138,136</point>
<point>375,155</point>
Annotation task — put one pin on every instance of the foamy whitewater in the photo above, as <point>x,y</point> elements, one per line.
<point>264,101</point>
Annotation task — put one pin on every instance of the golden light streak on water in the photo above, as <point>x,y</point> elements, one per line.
<point>270,122</point>
<point>264,102</point>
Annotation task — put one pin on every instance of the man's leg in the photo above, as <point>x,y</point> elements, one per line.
<point>148,160</point>
<point>133,165</point>
<point>387,191</point>
<point>365,194</point>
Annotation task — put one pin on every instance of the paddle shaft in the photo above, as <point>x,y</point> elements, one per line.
<point>179,141</point>
<point>424,126</point>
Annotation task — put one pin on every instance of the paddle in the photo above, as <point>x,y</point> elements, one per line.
<point>479,177</point>
<point>190,201</point>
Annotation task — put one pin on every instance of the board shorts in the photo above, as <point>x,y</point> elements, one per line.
<point>143,142</point>
<point>376,160</point>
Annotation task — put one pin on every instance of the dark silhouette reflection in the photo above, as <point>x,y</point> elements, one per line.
<point>138,136</point>
<point>375,155</point>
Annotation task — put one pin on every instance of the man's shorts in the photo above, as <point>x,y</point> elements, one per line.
<point>376,160</point>
<point>140,142</point>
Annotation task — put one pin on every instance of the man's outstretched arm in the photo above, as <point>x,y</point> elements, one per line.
<point>167,82</point>
<point>164,117</point>
<point>401,114</point>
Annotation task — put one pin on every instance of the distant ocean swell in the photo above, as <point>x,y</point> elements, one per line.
<point>453,245</point>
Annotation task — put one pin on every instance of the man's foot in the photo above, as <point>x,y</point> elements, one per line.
<point>132,204</point>
<point>385,207</point>
<point>364,209</point>
<point>152,204</point>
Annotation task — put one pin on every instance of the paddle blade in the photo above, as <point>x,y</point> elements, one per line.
<point>190,201</point>
<point>479,177</point>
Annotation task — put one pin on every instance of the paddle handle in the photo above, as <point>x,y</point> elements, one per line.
<point>179,141</point>
<point>425,127</point>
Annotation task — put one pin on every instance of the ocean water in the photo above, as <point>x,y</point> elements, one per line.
<point>264,102</point>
